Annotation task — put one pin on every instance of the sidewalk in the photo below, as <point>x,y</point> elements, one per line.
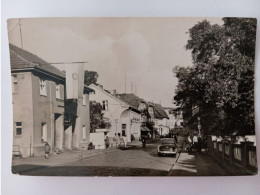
<point>198,164</point>
<point>65,158</point>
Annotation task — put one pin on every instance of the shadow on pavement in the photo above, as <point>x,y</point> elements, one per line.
<point>90,171</point>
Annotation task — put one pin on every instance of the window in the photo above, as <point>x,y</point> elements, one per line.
<point>105,105</point>
<point>123,129</point>
<point>84,132</point>
<point>14,84</point>
<point>18,128</point>
<point>43,87</point>
<point>181,123</point>
<point>44,132</point>
<point>58,91</point>
<point>84,100</point>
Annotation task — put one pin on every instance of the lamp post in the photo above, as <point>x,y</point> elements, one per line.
<point>199,125</point>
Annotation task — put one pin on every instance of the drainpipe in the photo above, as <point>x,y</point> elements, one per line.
<point>51,119</point>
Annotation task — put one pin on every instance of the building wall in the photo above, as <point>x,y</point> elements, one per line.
<point>82,120</point>
<point>23,112</point>
<point>118,113</point>
<point>178,119</point>
<point>133,124</point>
<point>49,110</point>
<point>113,113</point>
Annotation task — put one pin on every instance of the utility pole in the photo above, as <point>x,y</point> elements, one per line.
<point>125,81</point>
<point>21,33</point>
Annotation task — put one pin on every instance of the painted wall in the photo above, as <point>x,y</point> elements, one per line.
<point>115,108</point>
<point>33,109</point>
<point>23,112</point>
<point>118,113</point>
<point>49,110</point>
<point>98,139</point>
<point>82,120</point>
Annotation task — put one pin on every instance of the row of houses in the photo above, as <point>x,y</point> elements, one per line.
<point>44,111</point>
<point>130,115</point>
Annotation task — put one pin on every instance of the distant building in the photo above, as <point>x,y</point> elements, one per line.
<point>146,111</point>
<point>125,119</point>
<point>175,121</point>
<point>40,107</point>
<point>153,116</point>
<point>160,119</point>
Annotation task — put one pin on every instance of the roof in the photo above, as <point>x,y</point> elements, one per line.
<point>95,88</point>
<point>134,101</point>
<point>144,128</point>
<point>22,59</point>
<point>159,111</point>
<point>130,99</point>
<point>88,89</point>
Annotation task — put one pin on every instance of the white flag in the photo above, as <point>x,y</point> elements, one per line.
<point>74,81</point>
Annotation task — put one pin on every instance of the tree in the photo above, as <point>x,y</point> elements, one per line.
<point>90,77</point>
<point>97,120</point>
<point>221,80</point>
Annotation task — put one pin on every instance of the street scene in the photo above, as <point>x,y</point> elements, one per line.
<point>134,161</point>
<point>133,96</point>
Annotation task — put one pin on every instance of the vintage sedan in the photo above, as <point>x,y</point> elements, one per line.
<point>168,146</point>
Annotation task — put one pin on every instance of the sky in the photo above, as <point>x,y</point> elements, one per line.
<point>132,55</point>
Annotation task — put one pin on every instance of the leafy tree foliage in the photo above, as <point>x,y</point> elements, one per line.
<point>221,80</point>
<point>97,119</point>
<point>90,77</point>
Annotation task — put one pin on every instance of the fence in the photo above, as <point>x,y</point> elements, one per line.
<point>239,158</point>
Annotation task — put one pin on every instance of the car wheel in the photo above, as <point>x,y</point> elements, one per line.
<point>159,154</point>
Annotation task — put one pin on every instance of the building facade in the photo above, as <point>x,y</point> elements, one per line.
<point>125,120</point>
<point>39,107</point>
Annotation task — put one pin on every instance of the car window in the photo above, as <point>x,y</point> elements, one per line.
<point>168,141</point>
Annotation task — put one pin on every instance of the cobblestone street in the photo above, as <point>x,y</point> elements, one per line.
<point>135,161</point>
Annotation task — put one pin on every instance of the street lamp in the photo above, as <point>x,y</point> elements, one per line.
<point>199,125</point>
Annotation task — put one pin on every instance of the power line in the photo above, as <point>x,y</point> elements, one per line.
<point>69,62</point>
<point>65,63</point>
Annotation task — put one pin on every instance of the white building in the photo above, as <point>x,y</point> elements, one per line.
<point>175,121</point>
<point>125,120</point>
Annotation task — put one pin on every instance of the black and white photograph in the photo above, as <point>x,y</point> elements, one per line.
<point>133,96</point>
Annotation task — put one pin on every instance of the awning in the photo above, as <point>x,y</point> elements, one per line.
<point>145,129</point>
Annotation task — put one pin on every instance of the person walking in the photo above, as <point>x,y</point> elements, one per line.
<point>195,142</point>
<point>200,142</point>
<point>47,150</point>
<point>107,142</point>
<point>144,141</point>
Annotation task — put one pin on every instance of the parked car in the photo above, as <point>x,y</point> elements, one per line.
<point>168,146</point>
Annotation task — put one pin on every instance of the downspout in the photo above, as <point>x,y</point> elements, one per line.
<point>51,118</point>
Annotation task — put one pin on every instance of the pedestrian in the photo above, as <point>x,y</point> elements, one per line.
<point>144,141</point>
<point>107,142</point>
<point>47,150</point>
<point>195,142</point>
<point>189,140</point>
<point>200,142</point>
<point>132,138</point>
<point>176,138</point>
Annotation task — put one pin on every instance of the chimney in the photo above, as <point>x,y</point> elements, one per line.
<point>114,92</point>
<point>100,86</point>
